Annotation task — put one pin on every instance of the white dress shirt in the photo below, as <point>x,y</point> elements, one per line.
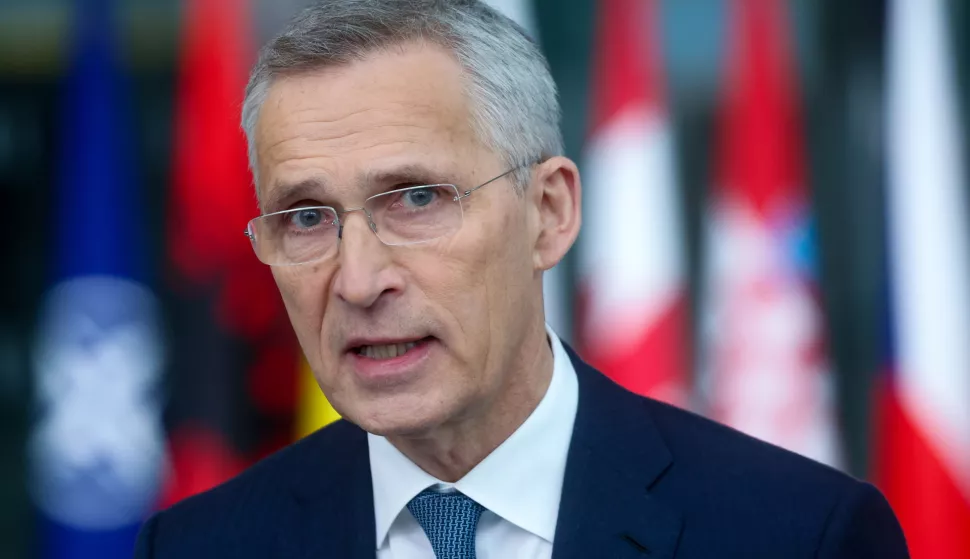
<point>519,483</point>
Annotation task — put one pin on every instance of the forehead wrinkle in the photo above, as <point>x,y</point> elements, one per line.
<point>398,130</point>
<point>288,149</point>
<point>322,117</point>
<point>437,112</point>
<point>318,120</point>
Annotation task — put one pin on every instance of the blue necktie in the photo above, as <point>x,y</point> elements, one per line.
<point>449,520</point>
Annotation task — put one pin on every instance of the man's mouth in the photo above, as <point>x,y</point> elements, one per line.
<point>387,351</point>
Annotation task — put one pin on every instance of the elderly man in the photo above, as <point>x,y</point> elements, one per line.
<point>408,163</point>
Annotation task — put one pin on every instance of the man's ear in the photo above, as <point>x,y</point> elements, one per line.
<point>557,195</point>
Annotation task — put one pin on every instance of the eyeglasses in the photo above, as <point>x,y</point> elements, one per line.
<point>412,215</point>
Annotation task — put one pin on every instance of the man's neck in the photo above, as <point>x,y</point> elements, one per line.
<point>452,450</point>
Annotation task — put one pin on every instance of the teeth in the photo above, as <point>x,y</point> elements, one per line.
<point>388,351</point>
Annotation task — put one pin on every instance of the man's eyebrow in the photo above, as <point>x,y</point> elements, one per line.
<point>284,194</point>
<point>405,174</point>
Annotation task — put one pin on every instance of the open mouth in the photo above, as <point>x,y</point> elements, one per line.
<point>388,351</point>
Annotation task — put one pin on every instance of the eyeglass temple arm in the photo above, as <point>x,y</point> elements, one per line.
<point>489,181</point>
<point>493,179</point>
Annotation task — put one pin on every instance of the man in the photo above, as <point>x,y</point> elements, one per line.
<point>408,163</point>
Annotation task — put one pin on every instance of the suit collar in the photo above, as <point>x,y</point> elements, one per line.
<point>333,497</point>
<point>615,457</point>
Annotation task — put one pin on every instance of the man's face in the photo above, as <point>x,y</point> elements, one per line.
<point>394,119</point>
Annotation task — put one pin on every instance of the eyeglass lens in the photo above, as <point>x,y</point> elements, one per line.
<point>405,216</point>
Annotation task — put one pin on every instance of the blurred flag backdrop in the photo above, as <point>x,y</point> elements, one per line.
<point>696,279</point>
<point>923,431</point>
<point>633,305</point>
<point>97,450</point>
<point>765,367</point>
<point>233,370</point>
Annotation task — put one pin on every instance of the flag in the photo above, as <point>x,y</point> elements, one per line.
<point>922,459</point>
<point>97,450</point>
<point>234,359</point>
<point>314,410</point>
<point>764,364</point>
<point>632,322</point>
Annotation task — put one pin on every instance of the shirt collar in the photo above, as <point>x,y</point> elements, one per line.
<point>525,492</point>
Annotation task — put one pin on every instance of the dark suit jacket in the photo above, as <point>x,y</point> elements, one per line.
<point>643,480</point>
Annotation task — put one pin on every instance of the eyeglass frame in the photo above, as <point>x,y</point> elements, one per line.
<point>370,220</point>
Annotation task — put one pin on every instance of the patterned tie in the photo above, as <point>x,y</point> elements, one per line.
<point>449,520</point>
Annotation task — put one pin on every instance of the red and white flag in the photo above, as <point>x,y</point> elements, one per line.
<point>633,315</point>
<point>764,365</point>
<point>923,432</point>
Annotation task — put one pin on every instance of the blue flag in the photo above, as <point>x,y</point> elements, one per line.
<point>97,448</point>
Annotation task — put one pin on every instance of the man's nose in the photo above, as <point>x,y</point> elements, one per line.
<point>364,270</point>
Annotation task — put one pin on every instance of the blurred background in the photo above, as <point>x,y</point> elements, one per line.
<point>775,235</point>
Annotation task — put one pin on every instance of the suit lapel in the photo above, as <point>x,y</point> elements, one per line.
<point>616,455</point>
<point>333,497</point>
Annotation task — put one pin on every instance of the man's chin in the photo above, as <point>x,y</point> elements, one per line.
<point>411,423</point>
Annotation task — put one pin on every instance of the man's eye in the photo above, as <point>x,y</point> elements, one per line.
<point>419,197</point>
<point>304,219</point>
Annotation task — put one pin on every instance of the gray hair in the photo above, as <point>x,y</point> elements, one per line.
<point>513,100</point>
